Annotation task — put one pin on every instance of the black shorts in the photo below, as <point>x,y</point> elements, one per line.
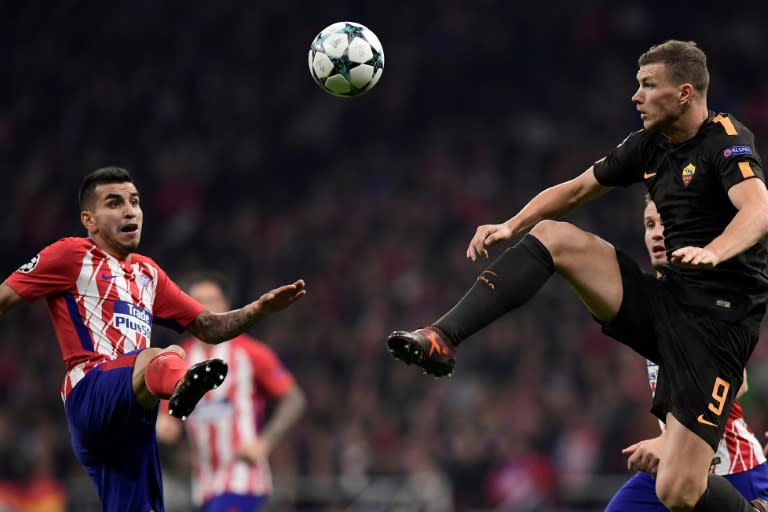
<point>701,359</point>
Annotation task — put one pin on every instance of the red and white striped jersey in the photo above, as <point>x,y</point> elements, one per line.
<point>231,415</point>
<point>100,307</point>
<point>739,450</point>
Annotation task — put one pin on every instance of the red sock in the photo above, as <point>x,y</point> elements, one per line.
<point>163,373</point>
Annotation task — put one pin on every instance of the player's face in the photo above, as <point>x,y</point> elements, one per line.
<point>209,294</point>
<point>654,236</point>
<point>656,98</point>
<point>115,221</point>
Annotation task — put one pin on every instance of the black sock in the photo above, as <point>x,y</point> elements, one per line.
<point>509,282</point>
<point>721,496</point>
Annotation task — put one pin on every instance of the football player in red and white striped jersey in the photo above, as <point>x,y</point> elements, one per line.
<point>739,456</point>
<point>103,299</point>
<point>230,439</point>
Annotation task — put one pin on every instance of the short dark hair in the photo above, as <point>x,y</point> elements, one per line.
<point>224,283</point>
<point>99,177</point>
<point>685,62</point>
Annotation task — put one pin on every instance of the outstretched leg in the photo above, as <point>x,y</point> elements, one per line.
<point>586,261</point>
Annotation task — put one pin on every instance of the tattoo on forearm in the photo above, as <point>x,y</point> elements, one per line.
<point>219,327</point>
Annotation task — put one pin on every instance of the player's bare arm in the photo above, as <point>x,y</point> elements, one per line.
<point>749,225</point>
<point>8,298</point>
<point>551,203</point>
<point>218,327</point>
<point>287,413</point>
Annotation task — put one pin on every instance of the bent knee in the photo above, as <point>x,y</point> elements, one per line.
<point>562,238</point>
<point>152,352</point>
<point>679,494</point>
<point>550,230</point>
<point>175,348</point>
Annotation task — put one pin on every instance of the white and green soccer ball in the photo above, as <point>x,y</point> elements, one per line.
<point>346,59</point>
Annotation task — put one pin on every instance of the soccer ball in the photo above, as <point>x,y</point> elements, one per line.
<point>346,59</point>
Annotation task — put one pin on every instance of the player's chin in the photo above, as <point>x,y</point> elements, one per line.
<point>648,123</point>
<point>131,241</point>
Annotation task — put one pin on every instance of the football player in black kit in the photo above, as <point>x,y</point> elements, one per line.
<point>700,322</point>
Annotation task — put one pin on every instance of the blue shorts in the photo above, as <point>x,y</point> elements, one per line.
<point>114,438</point>
<point>230,502</point>
<point>639,492</point>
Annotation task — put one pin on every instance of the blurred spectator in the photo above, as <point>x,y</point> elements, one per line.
<point>230,439</point>
<point>246,165</point>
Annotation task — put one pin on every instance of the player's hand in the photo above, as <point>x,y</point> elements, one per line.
<point>765,448</point>
<point>255,451</point>
<point>485,236</point>
<point>695,257</point>
<point>168,428</point>
<point>644,455</point>
<point>282,297</point>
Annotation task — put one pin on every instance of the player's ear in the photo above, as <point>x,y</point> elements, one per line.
<point>685,92</point>
<point>86,217</point>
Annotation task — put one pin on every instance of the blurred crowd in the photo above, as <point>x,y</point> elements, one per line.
<point>248,168</point>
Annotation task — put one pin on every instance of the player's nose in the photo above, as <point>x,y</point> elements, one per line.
<point>131,211</point>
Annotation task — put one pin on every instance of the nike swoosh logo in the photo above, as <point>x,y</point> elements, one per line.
<point>648,175</point>
<point>107,277</point>
<point>708,423</point>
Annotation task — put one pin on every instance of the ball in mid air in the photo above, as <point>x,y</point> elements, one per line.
<point>346,59</point>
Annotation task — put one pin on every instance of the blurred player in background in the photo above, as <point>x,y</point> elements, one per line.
<point>704,173</point>
<point>103,299</point>
<point>230,448</point>
<point>739,456</point>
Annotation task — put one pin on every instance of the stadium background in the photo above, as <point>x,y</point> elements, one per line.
<point>245,166</point>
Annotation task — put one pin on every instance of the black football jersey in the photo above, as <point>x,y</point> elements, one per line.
<point>689,183</point>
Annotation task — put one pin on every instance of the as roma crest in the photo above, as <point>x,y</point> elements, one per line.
<point>688,172</point>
